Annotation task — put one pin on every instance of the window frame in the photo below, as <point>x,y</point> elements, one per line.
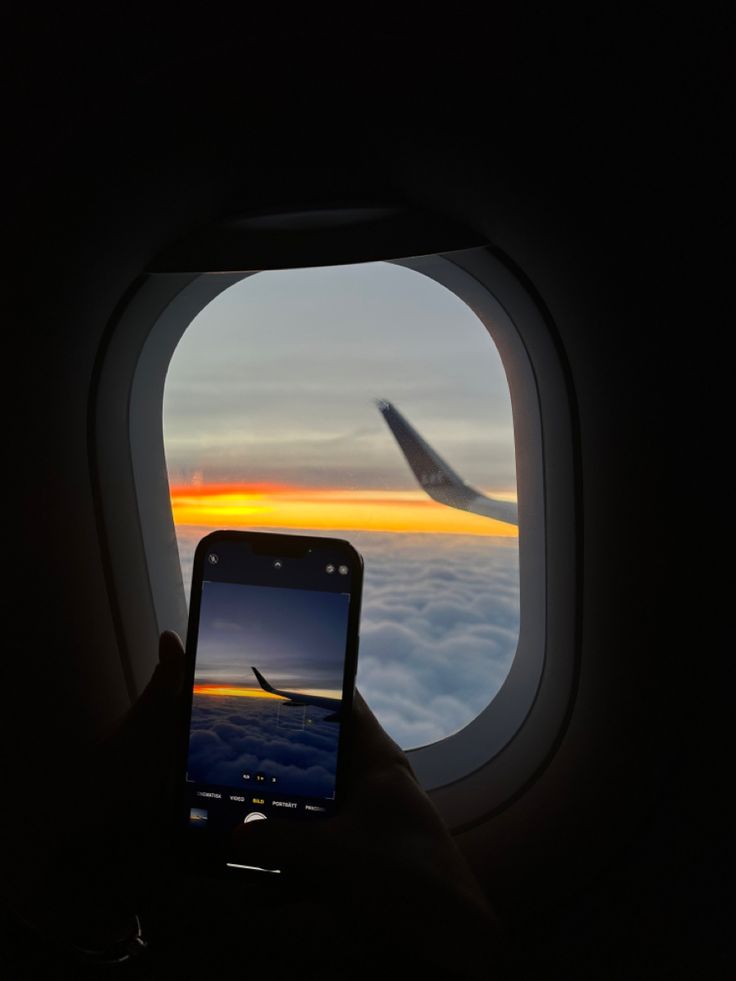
<point>483,767</point>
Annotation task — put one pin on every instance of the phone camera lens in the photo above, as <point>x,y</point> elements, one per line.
<point>330,568</point>
<point>213,558</point>
<point>278,564</point>
<point>343,570</point>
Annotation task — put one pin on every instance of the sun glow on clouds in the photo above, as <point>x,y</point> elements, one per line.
<point>239,505</point>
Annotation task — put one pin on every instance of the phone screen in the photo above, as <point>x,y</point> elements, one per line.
<point>273,646</point>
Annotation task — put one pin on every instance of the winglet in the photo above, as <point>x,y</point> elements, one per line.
<point>436,477</point>
<point>262,681</point>
<point>434,474</point>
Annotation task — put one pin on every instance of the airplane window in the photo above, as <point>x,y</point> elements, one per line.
<point>370,403</point>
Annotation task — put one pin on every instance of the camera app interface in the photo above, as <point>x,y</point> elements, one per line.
<point>267,696</point>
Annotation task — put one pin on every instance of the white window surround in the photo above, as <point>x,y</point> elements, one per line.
<point>480,769</point>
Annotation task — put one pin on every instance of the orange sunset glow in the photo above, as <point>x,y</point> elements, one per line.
<point>240,505</point>
<point>236,690</point>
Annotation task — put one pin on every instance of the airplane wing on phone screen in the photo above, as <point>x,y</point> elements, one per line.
<point>300,698</point>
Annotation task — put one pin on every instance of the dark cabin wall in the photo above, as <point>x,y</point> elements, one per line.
<point>595,163</point>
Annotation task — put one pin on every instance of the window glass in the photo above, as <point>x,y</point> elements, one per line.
<point>276,411</point>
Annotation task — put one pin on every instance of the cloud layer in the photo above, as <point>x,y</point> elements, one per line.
<point>228,741</point>
<point>439,627</point>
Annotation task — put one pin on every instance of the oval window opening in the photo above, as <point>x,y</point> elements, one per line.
<point>365,402</point>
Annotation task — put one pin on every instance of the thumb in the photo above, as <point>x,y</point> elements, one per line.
<point>144,742</point>
<point>168,678</point>
<point>165,686</point>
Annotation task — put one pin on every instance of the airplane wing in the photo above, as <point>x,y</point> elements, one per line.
<point>297,698</point>
<point>438,478</point>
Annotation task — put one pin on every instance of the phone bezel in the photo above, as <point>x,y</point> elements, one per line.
<point>211,851</point>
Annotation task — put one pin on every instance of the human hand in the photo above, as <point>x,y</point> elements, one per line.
<point>386,861</point>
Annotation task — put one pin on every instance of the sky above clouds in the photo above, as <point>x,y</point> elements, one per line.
<point>270,422</point>
<point>276,380</point>
<point>302,651</point>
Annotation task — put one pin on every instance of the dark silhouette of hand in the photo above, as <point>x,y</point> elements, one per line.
<point>385,865</point>
<point>383,877</point>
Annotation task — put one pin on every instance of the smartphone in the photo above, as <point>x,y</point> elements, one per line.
<point>272,648</point>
